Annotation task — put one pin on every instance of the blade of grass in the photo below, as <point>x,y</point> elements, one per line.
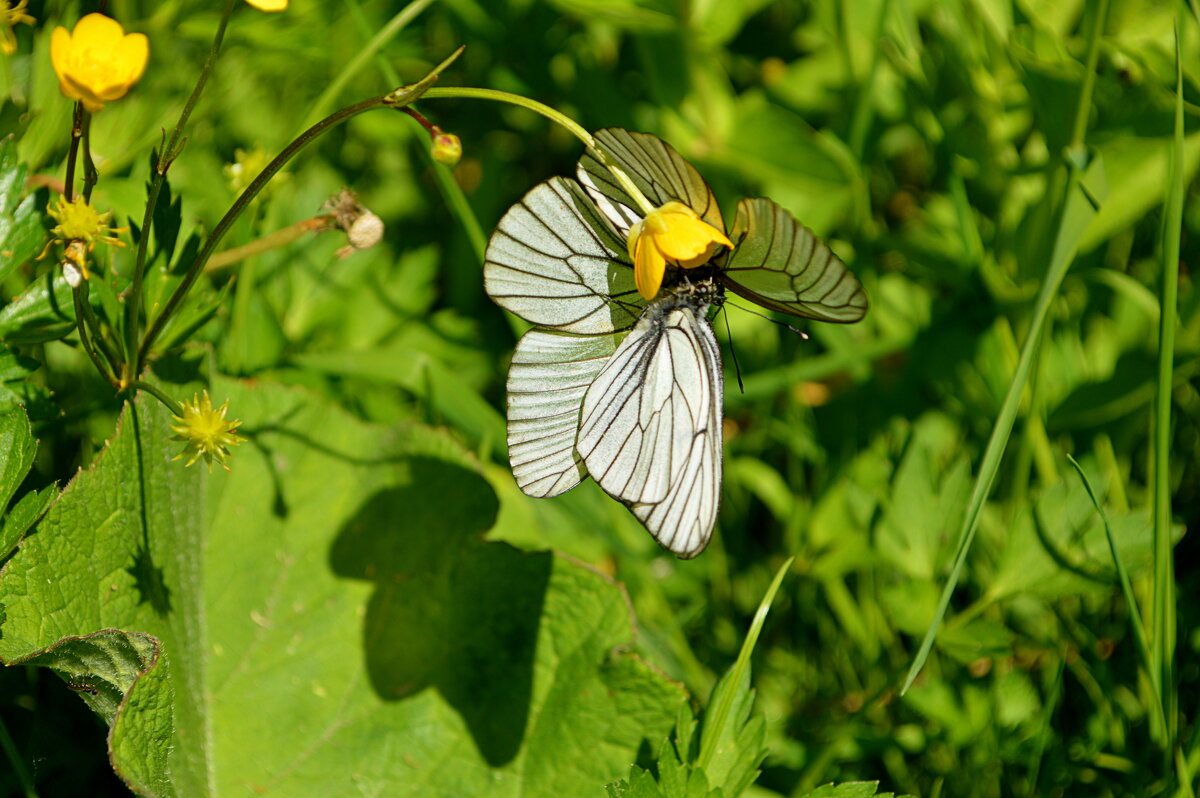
<point>1135,614</point>
<point>1073,216</point>
<point>1163,623</point>
<point>723,701</point>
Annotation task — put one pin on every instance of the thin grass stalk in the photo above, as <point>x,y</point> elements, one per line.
<point>168,153</point>
<point>718,714</point>
<point>1135,613</point>
<point>1066,244</point>
<point>1163,617</point>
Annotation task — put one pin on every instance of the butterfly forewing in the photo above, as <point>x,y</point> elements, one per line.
<point>556,262</point>
<point>549,375</point>
<point>650,430</point>
<point>782,265</point>
<point>656,169</point>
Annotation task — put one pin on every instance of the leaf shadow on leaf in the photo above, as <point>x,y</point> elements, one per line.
<point>149,578</point>
<point>449,611</point>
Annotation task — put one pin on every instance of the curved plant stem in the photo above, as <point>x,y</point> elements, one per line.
<point>401,97</point>
<point>91,175</point>
<point>175,408</point>
<point>555,116</point>
<point>73,152</point>
<point>168,153</point>
<point>239,205</point>
<point>81,325</point>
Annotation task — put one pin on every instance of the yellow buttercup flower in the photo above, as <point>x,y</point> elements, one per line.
<point>11,16</point>
<point>98,62</point>
<point>205,431</point>
<point>675,234</point>
<point>269,5</point>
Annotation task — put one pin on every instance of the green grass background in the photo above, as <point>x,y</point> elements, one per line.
<point>960,156</point>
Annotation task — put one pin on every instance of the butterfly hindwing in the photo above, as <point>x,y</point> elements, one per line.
<point>650,430</point>
<point>780,264</point>
<point>549,375</point>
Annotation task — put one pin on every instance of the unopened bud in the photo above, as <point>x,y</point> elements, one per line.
<point>447,149</point>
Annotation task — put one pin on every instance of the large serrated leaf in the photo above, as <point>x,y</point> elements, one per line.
<point>330,618</point>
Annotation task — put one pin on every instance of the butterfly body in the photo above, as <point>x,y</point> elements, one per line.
<point>650,422</point>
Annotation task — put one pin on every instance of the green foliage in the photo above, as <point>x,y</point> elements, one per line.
<point>367,603</point>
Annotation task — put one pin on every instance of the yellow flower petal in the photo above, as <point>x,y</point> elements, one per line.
<point>269,5</point>
<point>648,268</point>
<point>98,62</point>
<point>672,234</point>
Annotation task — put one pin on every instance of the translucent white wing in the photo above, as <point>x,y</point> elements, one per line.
<point>556,262</point>
<point>650,431</point>
<point>656,169</point>
<point>549,375</point>
<point>780,264</point>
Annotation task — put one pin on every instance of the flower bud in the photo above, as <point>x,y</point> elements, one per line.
<point>447,149</point>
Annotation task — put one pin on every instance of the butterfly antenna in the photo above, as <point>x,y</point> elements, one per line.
<point>803,335</point>
<point>737,369</point>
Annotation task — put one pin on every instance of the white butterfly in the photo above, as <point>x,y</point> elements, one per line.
<point>621,388</point>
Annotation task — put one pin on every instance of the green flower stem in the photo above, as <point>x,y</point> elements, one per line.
<point>239,205</point>
<point>73,152</point>
<point>555,116</point>
<point>399,98</point>
<point>91,175</point>
<point>81,325</point>
<point>153,390</point>
<point>168,153</point>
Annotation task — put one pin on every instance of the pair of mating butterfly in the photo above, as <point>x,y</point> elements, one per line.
<point>625,387</point>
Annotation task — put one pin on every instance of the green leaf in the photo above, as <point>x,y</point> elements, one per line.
<point>928,494</point>
<point>414,370</point>
<point>17,450</point>
<point>21,233</point>
<point>329,618</point>
<point>44,312</point>
<point>848,789</point>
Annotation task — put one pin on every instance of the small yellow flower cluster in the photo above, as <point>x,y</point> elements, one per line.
<point>205,431</point>
<point>11,16</point>
<point>80,227</point>
<point>98,62</point>
<point>675,234</point>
